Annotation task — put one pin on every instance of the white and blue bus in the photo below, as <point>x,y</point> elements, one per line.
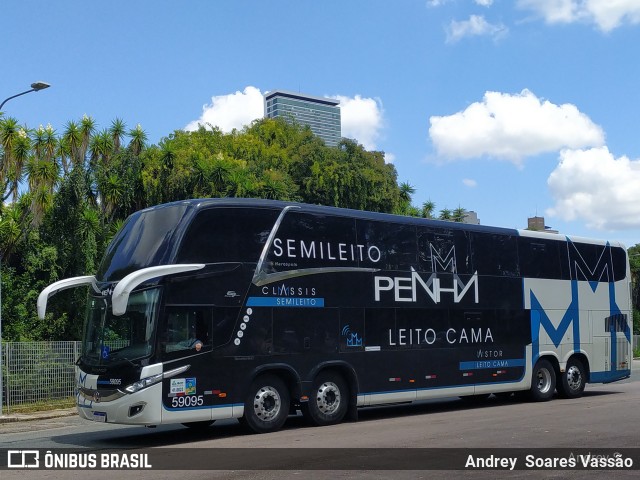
<point>251,309</point>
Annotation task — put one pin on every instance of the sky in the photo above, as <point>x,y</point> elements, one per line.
<point>509,108</point>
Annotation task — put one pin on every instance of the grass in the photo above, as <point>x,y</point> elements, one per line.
<point>51,404</point>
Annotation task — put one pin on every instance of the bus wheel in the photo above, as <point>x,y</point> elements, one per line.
<point>543,381</point>
<point>329,399</point>
<point>572,381</point>
<point>267,406</point>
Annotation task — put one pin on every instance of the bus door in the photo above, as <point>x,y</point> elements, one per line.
<point>188,336</point>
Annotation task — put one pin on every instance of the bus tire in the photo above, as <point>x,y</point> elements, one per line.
<point>329,399</point>
<point>543,381</point>
<point>572,381</point>
<point>267,405</point>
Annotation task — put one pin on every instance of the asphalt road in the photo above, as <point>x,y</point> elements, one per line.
<point>607,416</point>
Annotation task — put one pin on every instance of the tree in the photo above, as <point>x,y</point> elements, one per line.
<point>16,148</point>
<point>634,264</point>
<point>445,214</point>
<point>459,215</point>
<point>428,208</point>
<point>117,131</point>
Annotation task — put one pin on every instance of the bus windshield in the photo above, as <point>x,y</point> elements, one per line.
<point>112,339</point>
<point>143,241</point>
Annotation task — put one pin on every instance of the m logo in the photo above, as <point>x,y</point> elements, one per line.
<point>446,264</point>
<point>594,265</point>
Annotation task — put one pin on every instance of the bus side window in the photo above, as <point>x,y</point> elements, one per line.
<point>187,330</point>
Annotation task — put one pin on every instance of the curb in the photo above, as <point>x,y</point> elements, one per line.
<point>46,415</point>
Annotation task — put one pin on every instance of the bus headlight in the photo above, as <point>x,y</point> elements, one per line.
<point>144,383</point>
<point>153,379</point>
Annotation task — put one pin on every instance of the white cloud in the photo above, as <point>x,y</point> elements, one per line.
<point>234,110</point>
<point>484,3</point>
<point>362,119</point>
<point>593,186</point>
<point>512,127</point>
<point>389,157</point>
<point>469,182</point>
<point>606,14</point>
<point>436,3</point>
<point>475,26</point>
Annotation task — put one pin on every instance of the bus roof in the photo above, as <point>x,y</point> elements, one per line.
<point>204,203</point>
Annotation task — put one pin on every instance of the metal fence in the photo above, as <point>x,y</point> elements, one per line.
<point>42,373</point>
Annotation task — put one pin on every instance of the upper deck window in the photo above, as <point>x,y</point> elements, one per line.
<point>227,235</point>
<point>144,241</point>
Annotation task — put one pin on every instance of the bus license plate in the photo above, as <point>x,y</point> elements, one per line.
<point>100,417</point>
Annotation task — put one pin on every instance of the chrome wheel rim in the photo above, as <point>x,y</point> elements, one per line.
<point>267,403</point>
<point>574,378</point>
<point>328,398</point>
<point>544,380</point>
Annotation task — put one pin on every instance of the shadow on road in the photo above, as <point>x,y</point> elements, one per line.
<point>175,435</point>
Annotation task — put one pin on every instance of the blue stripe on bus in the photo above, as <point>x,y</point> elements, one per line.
<point>285,302</point>
<point>489,364</point>
<point>181,409</point>
<point>606,377</point>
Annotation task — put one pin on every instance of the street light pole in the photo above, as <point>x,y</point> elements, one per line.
<point>35,87</point>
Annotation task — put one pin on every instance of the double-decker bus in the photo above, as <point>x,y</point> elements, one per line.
<point>251,309</point>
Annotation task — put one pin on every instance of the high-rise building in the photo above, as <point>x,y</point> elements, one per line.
<point>321,114</point>
<point>537,224</point>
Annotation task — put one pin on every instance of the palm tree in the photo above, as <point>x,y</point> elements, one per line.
<point>428,208</point>
<point>459,214</point>
<point>117,131</point>
<point>101,148</point>
<point>87,129</point>
<point>445,214</point>
<point>63,152</point>
<point>138,140</point>
<point>42,175</point>
<point>11,229</point>
<point>19,156</point>
<point>73,138</point>
<point>9,137</point>
<point>406,190</point>
<point>112,194</point>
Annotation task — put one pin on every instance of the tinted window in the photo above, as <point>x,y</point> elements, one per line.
<point>599,263</point>
<point>307,240</point>
<point>305,330</point>
<point>540,258</point>
<point>380,328</point>
<point>227,235</point>
<point>187,331</point>
<point>495,254</point>
<point>144,241</point>
<point>444,250</point>
<point>421,329</point>
<point>619,258</point>
<point>396,243</point>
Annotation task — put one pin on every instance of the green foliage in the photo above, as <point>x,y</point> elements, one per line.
<point>80,186</point>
